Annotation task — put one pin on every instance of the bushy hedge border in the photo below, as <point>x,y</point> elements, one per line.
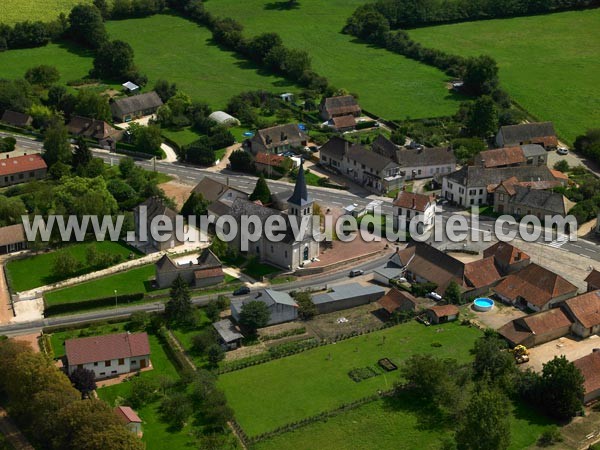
<point>61,308</point>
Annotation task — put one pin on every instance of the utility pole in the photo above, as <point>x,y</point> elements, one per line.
<point>116,303</point>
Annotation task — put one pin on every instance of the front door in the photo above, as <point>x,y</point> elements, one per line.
<point>305,253</point>
<point>142,363</point>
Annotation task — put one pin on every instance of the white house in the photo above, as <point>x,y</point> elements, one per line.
<point>409,205</point>
<point>109,355</point>
<point>131,420</point>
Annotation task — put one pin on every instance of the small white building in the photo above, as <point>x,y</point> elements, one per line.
<point>131,420</point>
<point>282,307</point>
<point>222,118</point>
<point>110,355</point>
<point>409,205</point>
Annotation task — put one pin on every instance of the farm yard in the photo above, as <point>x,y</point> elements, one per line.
<point>547,67</point>
<point>12,11</point>
<point>317,380</point>
<point>387,84</point>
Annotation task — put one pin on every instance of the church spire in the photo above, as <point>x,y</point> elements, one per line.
<point>300,197</point>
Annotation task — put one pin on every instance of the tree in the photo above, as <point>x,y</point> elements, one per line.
<point>42,75</point>
<point>138,321</point>
<point>485,424</point>
<point>262,44</point>
<point>64,265</point>
<point>216,354</point>
<point>165,90</point>
<point>466,148</point>
<point>261,191</point>
<point>213,311</point>
<point>60,99</point>
<point>179,307</point>
<point>41,115</point>
<point>126,166</point>
<point>481,75</point>
<point>202,341</point>
<point>452,294</point>
<point>195,205</point>
<point>254,315</point>
<point>84,380</point>
<point>482,117</point>
<point>146,139</point>
<point>93,105</point>
<point>84,196</point>
<point>176,409</point>
<point>200,152</point>
<point>493,361</point>
<point>7,144</point>
<point>56,144</point>
<point>87,27</point>
<point>588,144</point>
<point>241,161</point>
<point>562,386</point>
<point>114,60</point>
<point>306,308</point>
<point>142,392</point>
<point>82,155</point>
<point>103,7</point>
<point>561,166</point>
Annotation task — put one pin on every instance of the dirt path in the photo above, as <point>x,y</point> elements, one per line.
<point>12,433</point>
<point>225,160</point>
<point>171,155</point>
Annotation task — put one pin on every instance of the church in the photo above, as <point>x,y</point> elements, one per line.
<point>287,253</point>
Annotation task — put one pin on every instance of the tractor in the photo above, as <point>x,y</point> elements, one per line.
<point>521,354</point>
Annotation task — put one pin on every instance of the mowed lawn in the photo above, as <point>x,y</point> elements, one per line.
<point>12,11</point>
<point>35,271</point>
<point>132,281</point>
<point>550,64</point>
<point>384,424</point>
<point>72,62</point>
<point>269,395</point>
<point>388,84</point>
<point>178,50</point>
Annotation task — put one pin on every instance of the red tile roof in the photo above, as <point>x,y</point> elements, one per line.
<point>559,175</point>
<point>590,369</point>
<point>505,253</point>
<point>444,310</point>
<point>593,278</point>
<point>269,159</point>
<point>127,414</point>
<point>208,272</point>
<point>102,348</point>
<point>344,122</point>
<point>535,284</point>
<point>482,272</point>
<point>411,200</point>
<point>395,298</point>
<point>502,157</point>
<point>586,308</point>
<point>518,330</point>
<point>18,164</point>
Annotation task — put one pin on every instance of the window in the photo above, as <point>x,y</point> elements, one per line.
<point>472,201</point>
<point>96,364</point>
<point>362,166</point>
<point>31,174</point>
<point>286,254</point>
<point>114,371</point>
<point>419,172</point>
<point>107,363</point>
<point>501,197</point>
<point>21,176</point>
<point>80,366</point>
<point>480,191</point>
<point>121,361</point>
<point>102,374</point>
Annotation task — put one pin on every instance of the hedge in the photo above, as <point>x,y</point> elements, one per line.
<point>61,308</point>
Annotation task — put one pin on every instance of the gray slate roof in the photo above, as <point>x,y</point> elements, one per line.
<point>227,330</point>
<point>281,135</point>
<point>338,148</point>
<point>428,156</point>
<point>212,189</point>
<point>536,198</point>
<point>345,292</point>
<point>531,150</point>
<point>269,297</point>
<point>476,176</point>
<point>300,196</point>
<point>526,131</point>
<point>135,103</point>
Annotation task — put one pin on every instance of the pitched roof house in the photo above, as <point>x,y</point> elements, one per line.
<point>267,162</point>
<point>108,355</point>
<point>343,123</point>
<point>16,119</point>
<point>230,335</point>
<point>346,296</point>
<point>593,280</point>
<point>408,205</point>
<point>206,271</point>
<point>589,366</point>
<point>519,200</point>
<point>143,216</point>
<point>442,313</point>
<point>278,139</point>
<point>535,287</point>
<point>522,155</point>
<point>584,310</point>
<point>536,329</point>
<point>507,257</point>
<point>131,420</point>
<point>343,105</point>
<point>281,306</point>
<point>12,239</point>
<point>129,108</point>
<point>94,129</point>
<point>21,169</point>
<point>541,133</point>
<point>400,300</point>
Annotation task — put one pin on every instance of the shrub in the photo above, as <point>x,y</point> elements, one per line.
<point>362,373</point>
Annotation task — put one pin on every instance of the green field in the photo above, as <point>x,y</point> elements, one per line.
<point>317,380</point>
<point>35,271</point>
<point>383,424</point>
<point>12,11</point>
<point>72,62</point>
<point>182,52</point>
<point>549,64</point>
<point>388,84</point>
<point>132,281</point>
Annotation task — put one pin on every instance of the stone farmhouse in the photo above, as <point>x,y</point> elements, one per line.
<point>278,139</point>
<point>16,119</point>
<point>340,106</point>
<point>221,196</point>
<point>442,313</point>
<point>99,130</point>
<point>129,108</point>
<point>541,133</point>
<point>281,306</point>
<point>12,239</point>
<point>520,199</point>
<point>147,216</point>
<point>109,355</point>
<point>593,280</point>
<point>522,155</point>
<point>22,169</point>
<point>589,366</point>
<point>206,271</point>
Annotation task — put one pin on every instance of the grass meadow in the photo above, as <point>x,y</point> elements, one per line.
<point>175,49</point>
<point>549,64</point>
<point>388,84</point>
<point>12,11</point>
<point>317,380</point>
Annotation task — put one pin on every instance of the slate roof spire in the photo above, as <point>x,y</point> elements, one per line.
<point>300,197</point>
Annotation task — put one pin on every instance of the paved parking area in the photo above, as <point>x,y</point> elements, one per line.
<point>570,347</point>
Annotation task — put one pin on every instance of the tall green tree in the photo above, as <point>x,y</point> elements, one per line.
<point>195,205</point>
<point>561,385</point>
<point>179,308</point>
<point>57,147</point>
<point>481,75</point>
<point>86,26</point>
<point>254,315</point>
<point>482,117</point>
<point>93,105</point>
<point>42,75</point>
<point>261,191</point>
<point>114,60</point>
<point>485,424</point>
<point>452,293</point>
<point>82,155</point>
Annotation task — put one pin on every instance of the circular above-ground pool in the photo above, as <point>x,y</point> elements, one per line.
<point>483,304</point>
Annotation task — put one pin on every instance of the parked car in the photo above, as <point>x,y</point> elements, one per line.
<point>562,151</point>
<point>242,290</point>
<point>435,296</point>
<point>313,148</point>
<point>356,273</point>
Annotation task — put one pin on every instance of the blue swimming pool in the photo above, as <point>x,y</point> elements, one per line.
<point>483,304</point>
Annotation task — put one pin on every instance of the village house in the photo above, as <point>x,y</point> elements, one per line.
<point>278,139</point>
<point>282,307</point>
<point>148,218</point>
<point>130,108</point>
<point>589,366</point>
<point>109,355</point>
<point>399,301</point>
<point>474,185</point>
<point>584,311</point>
<point>417,163</point>
<point>12,239</point>
<point>442,314</point>
<point>536,329</point>
<point>343,123</point>
<point>593,280</point>
<point>270,164</point>
<point>369,169</point>
<point>229,334</point>
<point>511,197</point>
<point>343,105</point>
<point>541,133</point>
<point>346,296</point>
<point>525,155</point>
<point>21,169</point>
<point>219,195</point>
<point>16,119</point>
<point>507,258</point>
<point>480,276</point>
<point>131,420</point>
<point>207,270</point>
<point>289,253</point>
<point>535,287</point>
<point>99,130</point>
<point>409,205</point>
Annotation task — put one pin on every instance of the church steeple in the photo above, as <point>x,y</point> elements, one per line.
<point>300,203</point>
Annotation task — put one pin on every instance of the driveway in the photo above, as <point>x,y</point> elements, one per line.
<point>568,346</point>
